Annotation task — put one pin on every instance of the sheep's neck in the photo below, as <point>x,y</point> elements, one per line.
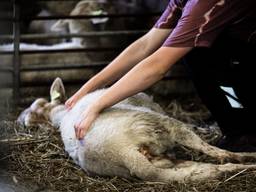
<point>56,115</point>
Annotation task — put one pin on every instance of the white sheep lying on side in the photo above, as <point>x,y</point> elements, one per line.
<point>131,139</point>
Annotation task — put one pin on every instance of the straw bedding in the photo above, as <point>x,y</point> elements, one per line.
<point>36,155</point>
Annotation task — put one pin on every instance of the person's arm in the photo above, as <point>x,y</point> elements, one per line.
<point>142,76</point>
<point>131,56</point>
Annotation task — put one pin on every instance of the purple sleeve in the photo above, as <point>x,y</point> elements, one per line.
<point>202,21</point>
<point>170,17</point>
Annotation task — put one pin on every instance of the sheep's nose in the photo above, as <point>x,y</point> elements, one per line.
<point>22,116</point>
<point>21,120</point>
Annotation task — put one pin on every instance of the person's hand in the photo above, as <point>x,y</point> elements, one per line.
<point>73,100</point>
<point>88,117</point>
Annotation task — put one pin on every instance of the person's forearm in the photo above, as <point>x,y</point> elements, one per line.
<point>131,56</point>
<point>117,68</point>
<point>142,76</point>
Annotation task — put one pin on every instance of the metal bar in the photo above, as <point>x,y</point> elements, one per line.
<point>47,0</point>
<point>48,83</point>
<point>6,69</point>
<point>6,37</point>
<point>16,56</point>
<point>86,34</point>
<point>6,18</point>
<point>4,1</point>
<point>104,49</point>
<point>68,82</point>
<point>75,17</point>
<point>6,52</point>
<point>56,17</point>
<point>92,65</point>
<point>6,85</point>
<point>50,0</point>
<point>48,67</point>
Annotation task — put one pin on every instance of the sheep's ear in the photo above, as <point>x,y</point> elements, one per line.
<point>60,25</point>
<point>57,91</point>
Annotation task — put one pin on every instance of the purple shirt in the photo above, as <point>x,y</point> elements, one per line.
<point>197,23</point>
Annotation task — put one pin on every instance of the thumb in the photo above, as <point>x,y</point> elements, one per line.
<point>68,102</point>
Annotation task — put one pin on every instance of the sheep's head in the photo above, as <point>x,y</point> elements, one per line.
<point>39,111</point>
<point>86,7</point>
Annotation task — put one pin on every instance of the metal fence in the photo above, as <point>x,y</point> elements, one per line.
<point>17,38</point>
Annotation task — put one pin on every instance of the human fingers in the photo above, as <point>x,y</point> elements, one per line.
<point>80,129</point>
<point>76,127</point>
<point>81,132</point>
<point>84,126</point>
<point>70,104</point>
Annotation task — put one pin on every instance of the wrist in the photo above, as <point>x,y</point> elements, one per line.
<point>97,107</point>
<point>83,91</point>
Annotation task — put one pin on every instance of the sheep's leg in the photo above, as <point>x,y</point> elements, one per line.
<point>189,139</point>
<point>196,171</point>
<point>140,167</point>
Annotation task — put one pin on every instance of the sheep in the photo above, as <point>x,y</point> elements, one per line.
<point>43,27</point>
<point>131,139</point>
<point>98,7</point>
<point>88,25</point>
<point>58,8</point>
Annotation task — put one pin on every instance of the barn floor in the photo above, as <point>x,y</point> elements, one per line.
<point>34,157</point>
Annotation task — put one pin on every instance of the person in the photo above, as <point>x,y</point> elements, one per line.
<point>215,37</point>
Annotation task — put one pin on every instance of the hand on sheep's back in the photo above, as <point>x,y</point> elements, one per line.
<point>88,117</point>
<point>70,103</point>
